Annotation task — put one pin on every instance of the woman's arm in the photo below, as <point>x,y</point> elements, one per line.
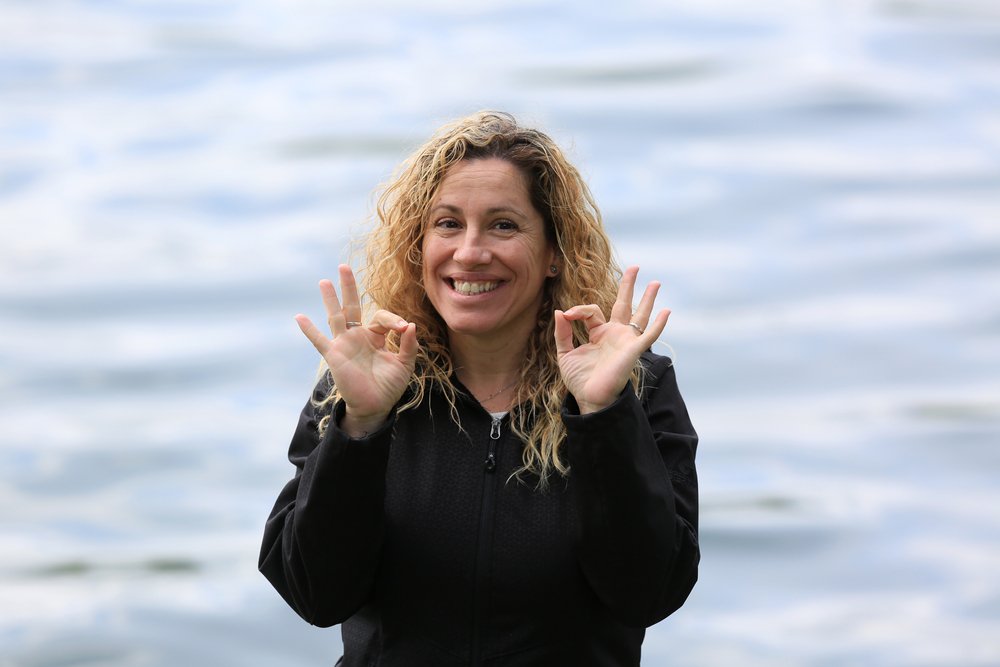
<point>323,538</point>
<point>636,494</point>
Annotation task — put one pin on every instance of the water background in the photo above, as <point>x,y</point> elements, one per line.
<point>816,183</point>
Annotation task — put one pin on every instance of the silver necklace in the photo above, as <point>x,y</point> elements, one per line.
<point>497,392</point>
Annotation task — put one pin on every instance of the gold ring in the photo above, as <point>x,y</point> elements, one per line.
<point>353,324</point>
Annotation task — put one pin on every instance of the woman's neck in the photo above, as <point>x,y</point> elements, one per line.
<point>490,370</point>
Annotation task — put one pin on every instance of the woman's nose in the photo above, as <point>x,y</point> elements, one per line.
<point>472,251</point>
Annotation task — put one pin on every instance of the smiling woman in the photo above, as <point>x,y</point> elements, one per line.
<point>502,350</point>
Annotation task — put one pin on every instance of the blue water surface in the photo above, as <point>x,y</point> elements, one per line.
<point>817,184</point>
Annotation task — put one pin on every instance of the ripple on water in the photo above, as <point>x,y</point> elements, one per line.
<point>79,568</point>
<point>613,75</point>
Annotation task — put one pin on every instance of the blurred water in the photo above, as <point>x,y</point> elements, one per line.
<point>816,183</point>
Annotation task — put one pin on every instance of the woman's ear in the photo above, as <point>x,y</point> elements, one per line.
<point>555,265</point>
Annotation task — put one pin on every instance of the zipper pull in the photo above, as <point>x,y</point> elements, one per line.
<point>491,458</point>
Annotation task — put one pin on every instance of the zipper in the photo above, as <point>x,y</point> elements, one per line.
<point>491,457</point>
<point>485,543</point>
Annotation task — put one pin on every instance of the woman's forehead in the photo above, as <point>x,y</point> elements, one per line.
<point>493,182</point>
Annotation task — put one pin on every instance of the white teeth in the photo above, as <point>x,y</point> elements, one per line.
<point>469,288</point>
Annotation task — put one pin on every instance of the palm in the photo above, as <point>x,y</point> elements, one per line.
<point>369,378</point>
<point>596,372</point>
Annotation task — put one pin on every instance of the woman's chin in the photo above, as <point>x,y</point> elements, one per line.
<point>478,329</point>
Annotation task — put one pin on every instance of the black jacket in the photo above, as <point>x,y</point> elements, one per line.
<point>420,543</point>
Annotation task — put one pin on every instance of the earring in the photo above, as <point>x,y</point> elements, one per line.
<point>553,269</point>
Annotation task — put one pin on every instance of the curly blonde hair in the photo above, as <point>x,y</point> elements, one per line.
<point>392,275</point>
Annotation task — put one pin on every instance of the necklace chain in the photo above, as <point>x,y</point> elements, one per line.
<point>498,392</point>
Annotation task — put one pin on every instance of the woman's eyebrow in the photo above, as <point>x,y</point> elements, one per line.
<point>490,211</point>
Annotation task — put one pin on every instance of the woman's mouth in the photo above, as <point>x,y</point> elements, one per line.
<point>472,287</point>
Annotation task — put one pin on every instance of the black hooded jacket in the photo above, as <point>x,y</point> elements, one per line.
<point>420,542</point>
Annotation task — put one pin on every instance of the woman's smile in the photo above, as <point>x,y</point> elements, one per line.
<point>473,287</point>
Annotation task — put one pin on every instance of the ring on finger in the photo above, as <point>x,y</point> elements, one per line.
<point>353,324</point>
<point>639,330</point>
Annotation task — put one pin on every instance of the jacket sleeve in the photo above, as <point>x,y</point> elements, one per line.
<point>323,538</point>
<point>636,494</point>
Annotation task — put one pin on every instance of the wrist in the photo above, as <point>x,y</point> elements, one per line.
<point>358,426</point>
<point>587,408</point>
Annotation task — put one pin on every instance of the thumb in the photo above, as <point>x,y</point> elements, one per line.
<point>563,333</point>
<point>408,345</point>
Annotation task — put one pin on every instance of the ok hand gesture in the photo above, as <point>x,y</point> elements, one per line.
<point>369,377</point>
<point>597,371</point>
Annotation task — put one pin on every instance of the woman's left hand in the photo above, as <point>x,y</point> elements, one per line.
<point>597,371</point>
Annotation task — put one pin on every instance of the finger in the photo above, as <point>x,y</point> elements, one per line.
<point>384,321</point>
<point>349,294</point>
<point>563,333</point>
<point>642,313</point>
<point>590,314</point>
<point>408,345</point>
<point>315,336</point>
<point>622,310</point>
<point>656,328</point>
<point>334,314</point>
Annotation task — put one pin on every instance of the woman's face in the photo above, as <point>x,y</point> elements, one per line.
<point>485,254</point>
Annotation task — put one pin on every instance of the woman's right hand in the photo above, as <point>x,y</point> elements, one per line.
<point>370,378</point>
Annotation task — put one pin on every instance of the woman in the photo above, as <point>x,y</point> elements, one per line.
<point>494,468</point>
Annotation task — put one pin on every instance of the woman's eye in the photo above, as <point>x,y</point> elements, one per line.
<point>506,225</point>
<point>447,223</point>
